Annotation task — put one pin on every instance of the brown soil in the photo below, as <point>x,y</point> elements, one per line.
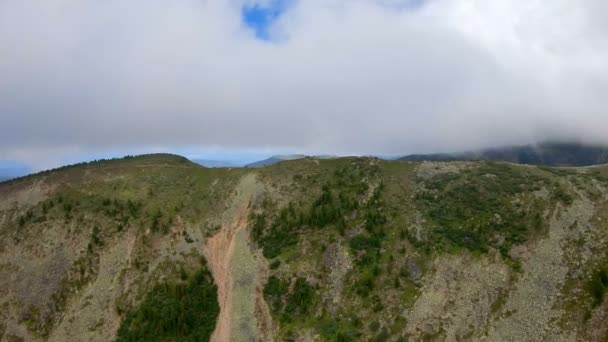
<point>218,252</point>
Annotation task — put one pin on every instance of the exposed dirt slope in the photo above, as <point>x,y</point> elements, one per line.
<point>235,278</point>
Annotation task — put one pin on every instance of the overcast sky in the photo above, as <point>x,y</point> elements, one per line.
<point>313,76</point>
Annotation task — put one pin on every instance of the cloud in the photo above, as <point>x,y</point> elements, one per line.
<point>334,76</point>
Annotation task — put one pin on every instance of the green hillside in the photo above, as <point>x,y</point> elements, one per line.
<point>158,248</point>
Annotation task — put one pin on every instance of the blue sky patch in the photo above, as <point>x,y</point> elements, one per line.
<point>261,17</point>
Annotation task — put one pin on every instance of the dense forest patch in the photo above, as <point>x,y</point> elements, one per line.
<point>484,207</point>
<point>175,311</point>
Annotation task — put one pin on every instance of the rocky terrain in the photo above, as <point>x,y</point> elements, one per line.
<point>159,248</point>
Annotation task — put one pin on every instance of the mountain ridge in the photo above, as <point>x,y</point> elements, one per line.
<point>546,153</point>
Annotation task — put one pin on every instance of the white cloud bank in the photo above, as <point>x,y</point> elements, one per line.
<point>340,76</point>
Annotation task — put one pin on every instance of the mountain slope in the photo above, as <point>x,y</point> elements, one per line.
<point>548,154</point>
<point>332,250</point>
<point>82,246</point>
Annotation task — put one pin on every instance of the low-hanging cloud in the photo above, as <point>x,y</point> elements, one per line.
<point>337,76</point>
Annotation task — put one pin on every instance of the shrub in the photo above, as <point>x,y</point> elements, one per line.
<point>598,286</point>
<point>562,196</point>
<point>300,299</point>
<point>275,264</point>
<point>274,290</point>
<point>289,305</point>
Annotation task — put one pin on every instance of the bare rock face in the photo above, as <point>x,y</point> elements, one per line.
<point>414,272</point>
<point>338,263</point>
<point>457,299</point>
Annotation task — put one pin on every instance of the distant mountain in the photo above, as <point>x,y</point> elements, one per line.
<point>215,163</point>
<point>11,172</point>
<point>325,156</point>
<point>275,159</point>
<point>548,154</point>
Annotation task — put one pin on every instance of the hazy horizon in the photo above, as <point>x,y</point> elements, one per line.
<point>230,158</point>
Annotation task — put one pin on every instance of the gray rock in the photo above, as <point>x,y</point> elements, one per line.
<point>414,272</point>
